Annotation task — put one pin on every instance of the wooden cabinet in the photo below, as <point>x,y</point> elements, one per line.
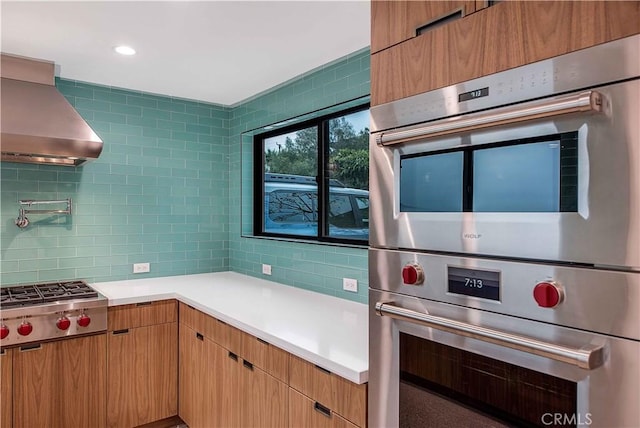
<point>60,384</point>
<point>264,398</point>
<point>393,22</point>
<point>142,363</point>
<point>334,393</point>
<point>242,379</point>
<point>506,35</point>
<point>201,380</point>
<point>305,412</point>
<point>6,388</point>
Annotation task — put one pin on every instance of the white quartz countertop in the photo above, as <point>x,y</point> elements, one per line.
<point>325,330</point>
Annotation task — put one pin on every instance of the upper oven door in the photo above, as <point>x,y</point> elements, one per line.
<point>533,180</point>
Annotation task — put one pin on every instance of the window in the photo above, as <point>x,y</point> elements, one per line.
<point>311,179</point>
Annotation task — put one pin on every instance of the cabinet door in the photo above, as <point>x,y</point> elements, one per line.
<point>264,399</point>
<point>304,412</point>
<point>6,383</point>
<point>202,376</point>
<point>232,405</point>
<point>143,379</point>
<point>393,22</point>
<point>191,377</point>
<point>506,35</point>
<point>60,384</point>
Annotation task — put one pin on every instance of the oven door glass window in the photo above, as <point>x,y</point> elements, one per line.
<point>528,175</point>
<point>519,178</point>
<point>432,183</point>
<point>442,386</point>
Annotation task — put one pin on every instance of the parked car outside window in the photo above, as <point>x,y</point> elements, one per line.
<point>291,207</point>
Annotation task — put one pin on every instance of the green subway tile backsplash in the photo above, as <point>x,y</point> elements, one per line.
<point>118,199</point>
<point>167,190</point>
<point>310,266</point>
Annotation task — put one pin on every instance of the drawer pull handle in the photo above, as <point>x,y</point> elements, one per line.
<point>323,370</point>
<point>123,331</point>
<point>199,336</point>
<point>143,303</point>
<point>322,409</point>
<point>264,342</point>
<point>440,21</point>
<point>33,347</point>
<point>247,364</point>
<point>233,356</point>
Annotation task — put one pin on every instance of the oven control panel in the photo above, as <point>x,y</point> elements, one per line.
<point>598,300</point>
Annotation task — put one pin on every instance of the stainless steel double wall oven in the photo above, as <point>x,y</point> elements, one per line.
<point>505,248</point>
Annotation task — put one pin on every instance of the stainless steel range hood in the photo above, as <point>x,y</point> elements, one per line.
<point>37,122</point>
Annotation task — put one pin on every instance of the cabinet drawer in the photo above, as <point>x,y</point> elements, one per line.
<point>229,337</point>
<point>198,321</point>
<point>213,329</point>
<point>141,314</point>
<point>266,356</point>
<point>304,412</point>
<point>345,398</point>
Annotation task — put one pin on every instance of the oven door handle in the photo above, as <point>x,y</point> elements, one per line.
<point>589,101</point>
<point>588,357</point>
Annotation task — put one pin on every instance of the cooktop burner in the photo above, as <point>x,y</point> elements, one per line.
<point>28,295</point>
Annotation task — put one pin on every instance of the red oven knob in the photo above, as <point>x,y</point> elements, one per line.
<point>412,274</point>
<point>547,294</point>
<point>84,320</point>
<point>4,331</point>
<point>25,328</point>
<point>63,323</point>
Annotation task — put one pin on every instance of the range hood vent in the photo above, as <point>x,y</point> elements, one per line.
<point>37,122</point>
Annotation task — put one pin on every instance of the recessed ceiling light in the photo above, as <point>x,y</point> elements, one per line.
<point>125,50</point>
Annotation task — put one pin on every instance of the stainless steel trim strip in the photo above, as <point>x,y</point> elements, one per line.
<point>588,357</point>
<point>590,101</point>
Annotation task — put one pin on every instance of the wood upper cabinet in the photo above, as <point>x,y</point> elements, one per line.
<point>506,35</point>
<point>6,388</point>
<point>142,363</point>
<point>60,384</point>
<point>393,22</point>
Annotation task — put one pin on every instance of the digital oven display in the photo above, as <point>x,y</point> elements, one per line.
<point>473,282</point>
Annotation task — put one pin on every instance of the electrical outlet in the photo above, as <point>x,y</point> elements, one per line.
<point>141,267</point>
<point>350,284</point>
<point>266,269</point>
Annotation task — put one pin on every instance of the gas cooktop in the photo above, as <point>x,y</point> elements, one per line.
<point>50,311</point>
<point>27,295</point>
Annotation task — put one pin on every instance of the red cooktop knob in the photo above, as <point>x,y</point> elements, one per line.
<point>547,294</point>
<point>4,331</point>
<point>84,320</point>
<point>63,323</point>
<point>412,274</point>
<point>25,328</point>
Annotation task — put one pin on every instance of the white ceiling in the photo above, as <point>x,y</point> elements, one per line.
<point>217,51</point>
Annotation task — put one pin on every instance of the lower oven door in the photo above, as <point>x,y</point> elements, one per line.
<point>436,365</point>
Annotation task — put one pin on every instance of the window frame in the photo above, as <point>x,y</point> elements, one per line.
<point>322,179</point>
